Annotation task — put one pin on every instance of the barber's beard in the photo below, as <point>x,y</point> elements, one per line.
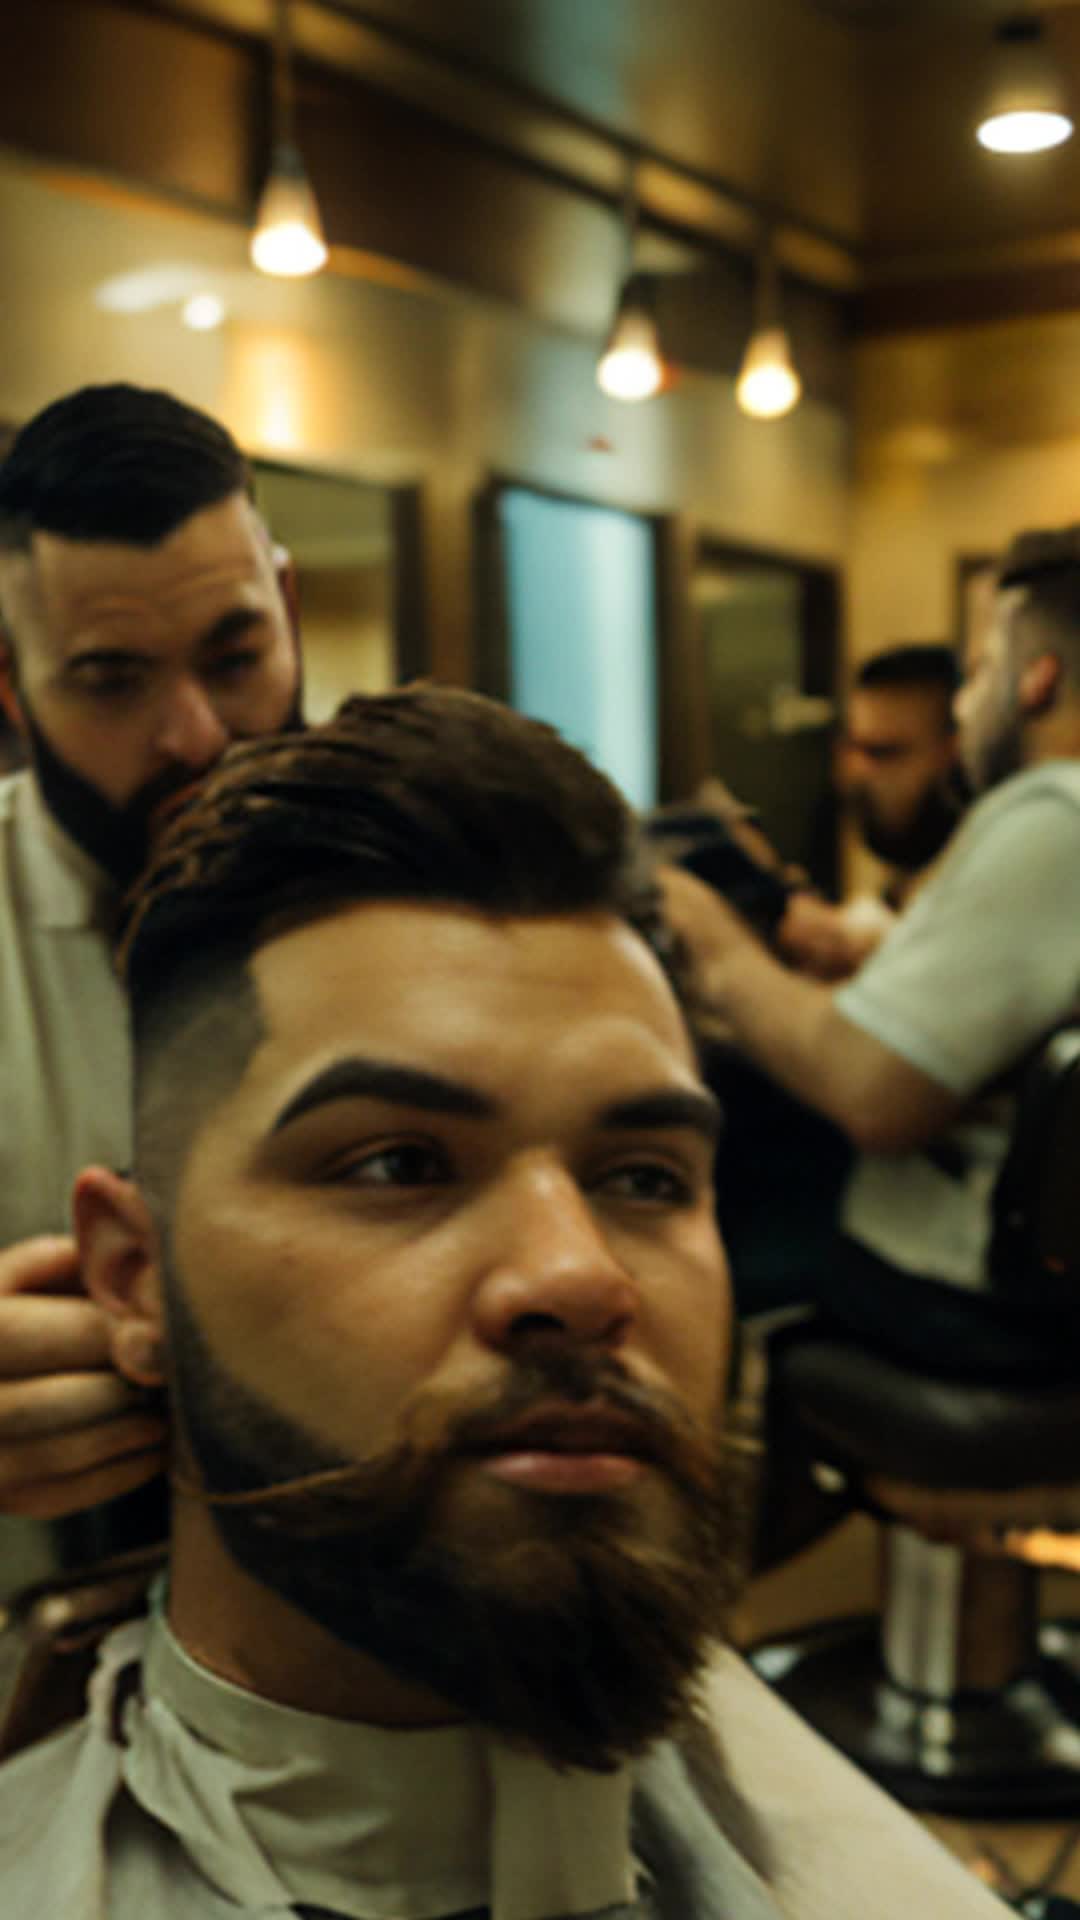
<point>912,845</point>
<point>575,1624</point>
<point>117,838</point>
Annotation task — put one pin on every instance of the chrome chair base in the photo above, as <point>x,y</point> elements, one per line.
<point>1011,1752</point>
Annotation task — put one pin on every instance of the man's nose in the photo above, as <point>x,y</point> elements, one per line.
<point>552,1268</point>
<point>190,730</point>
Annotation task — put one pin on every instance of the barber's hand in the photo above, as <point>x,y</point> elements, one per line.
<point>701,917</point>
<point>72,1432</point>
<point>831,942</point>
<point>711,932</point>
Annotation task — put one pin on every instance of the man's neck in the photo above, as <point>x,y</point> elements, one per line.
<point>1054,735</point>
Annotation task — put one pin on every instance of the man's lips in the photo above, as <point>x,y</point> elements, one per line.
<point>566,1450</point>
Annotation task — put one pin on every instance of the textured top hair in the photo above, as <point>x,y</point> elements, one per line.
<point>430,793</point>
<point>121,463</point>
<point>917,664</point>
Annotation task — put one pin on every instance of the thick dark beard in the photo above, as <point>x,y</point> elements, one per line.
<point>576,1625</point>
<point>919,841</point>
<point>117,838</point>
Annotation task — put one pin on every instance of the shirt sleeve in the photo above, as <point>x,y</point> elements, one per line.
<point>987,958</point>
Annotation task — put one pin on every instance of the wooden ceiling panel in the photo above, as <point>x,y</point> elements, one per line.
<point>761,96</point>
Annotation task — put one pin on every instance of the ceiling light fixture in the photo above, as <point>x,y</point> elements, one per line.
<point>631,366</point>
<point>288,237</point>
<point>767,385</point>
<point>1026,108</point>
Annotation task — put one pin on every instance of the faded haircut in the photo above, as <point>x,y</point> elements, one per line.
<point>429,794</point>
<point>1046,564</point>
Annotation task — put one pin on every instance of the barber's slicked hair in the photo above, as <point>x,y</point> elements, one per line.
<point>1047,564</point>
<point>430,794</point>
<point>117,462</point>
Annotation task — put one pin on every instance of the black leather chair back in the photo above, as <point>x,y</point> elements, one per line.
<point>1035,1241</point>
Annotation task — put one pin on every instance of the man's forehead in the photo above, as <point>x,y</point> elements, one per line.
<point>450,984</point>
<point>64,582</point>
<point>899,714</point>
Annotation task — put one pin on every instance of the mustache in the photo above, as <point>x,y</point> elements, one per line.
<point>441,1427</point>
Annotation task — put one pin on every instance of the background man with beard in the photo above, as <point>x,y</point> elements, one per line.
<point>899,776</point>
<point>142,627</point>
<point>899,757</point>
<point>423,1244</point>
<point>908,1058</point>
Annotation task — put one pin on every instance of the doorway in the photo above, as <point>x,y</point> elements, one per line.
<point>769,632</point>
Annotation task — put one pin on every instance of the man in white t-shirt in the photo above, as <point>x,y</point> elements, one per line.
<point>908,1057</point>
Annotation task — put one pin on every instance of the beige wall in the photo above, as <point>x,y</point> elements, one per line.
<point>963,437</point>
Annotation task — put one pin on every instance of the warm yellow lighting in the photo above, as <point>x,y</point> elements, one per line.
<point>631,366</point>
<point>288,237</point>
<point>630,373</point>
<point>202,312</point>
<point>1026,110</point>
<point>768,385</point>
<point>1027,131</point>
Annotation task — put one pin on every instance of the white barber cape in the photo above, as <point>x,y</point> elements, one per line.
<point>180,1797</point>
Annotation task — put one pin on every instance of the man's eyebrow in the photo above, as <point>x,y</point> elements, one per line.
<point>674,1108</point>
<point>366,1079</point>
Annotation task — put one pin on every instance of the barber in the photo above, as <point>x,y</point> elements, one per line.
<point>144,625</point>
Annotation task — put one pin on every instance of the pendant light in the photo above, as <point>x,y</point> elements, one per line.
<point>631,366</point>
<point>1026,108</point>
<point>288,238</point>
<point>767,385</point>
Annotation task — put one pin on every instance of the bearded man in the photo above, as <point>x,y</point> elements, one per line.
<point>144,623</point>
<point>421,1243</point>
<point>912,1058</point>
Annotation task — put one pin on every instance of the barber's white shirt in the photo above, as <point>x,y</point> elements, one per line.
<point>65,1098</point>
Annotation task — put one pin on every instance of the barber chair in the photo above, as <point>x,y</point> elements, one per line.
<point>956,1698</point>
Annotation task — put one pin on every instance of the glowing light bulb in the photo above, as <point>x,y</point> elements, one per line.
<point>1024,130</point>
<point>288,237</point>
<point>631,366</point>
<point>630,373</point>
<point>768,386</point>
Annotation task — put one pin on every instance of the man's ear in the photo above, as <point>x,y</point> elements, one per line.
<point>118,1252</point>
<point>1039,684</point>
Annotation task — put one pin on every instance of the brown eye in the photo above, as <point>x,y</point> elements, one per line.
<point>407,1163</point>
<point>648,1183</point>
